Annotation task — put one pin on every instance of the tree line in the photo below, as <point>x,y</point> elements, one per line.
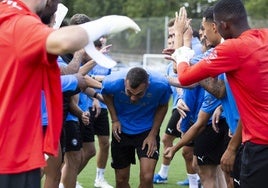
<point>257,9</point>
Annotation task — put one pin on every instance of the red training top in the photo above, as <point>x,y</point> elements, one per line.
<point>26,69</point>
<point>245,62</point>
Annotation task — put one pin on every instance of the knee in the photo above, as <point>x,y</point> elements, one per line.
<point>187,154</point>
<point>146,178</point>
<point>167,141</point>
<point>121,180</point>
<point>104,144</point>
<point>73,159</point>
<point>89,153</point>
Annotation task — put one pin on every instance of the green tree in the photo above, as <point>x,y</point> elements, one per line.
<point>257,9</point>
<point>136,8</point>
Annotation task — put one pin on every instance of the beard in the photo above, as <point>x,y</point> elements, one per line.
<point>47,13</point>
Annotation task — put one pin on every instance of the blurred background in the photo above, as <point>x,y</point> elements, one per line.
<point>130,49</point>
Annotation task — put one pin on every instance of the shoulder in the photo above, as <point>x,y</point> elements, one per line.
<point>158,80</point>
<point>114,80</point>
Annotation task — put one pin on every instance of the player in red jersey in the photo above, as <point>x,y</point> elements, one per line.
<point>242,58</point>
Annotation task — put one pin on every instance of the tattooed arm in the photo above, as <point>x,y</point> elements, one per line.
<point>214,86</point>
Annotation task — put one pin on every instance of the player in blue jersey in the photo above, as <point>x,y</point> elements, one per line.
<point>100,126</point>
<point>137,101</point>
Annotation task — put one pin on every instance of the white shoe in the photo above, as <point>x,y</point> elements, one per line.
<point>78,185</point>
<point>102,184</point>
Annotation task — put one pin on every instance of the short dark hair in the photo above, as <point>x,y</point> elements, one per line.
<point>208,14</point>
<point>137,76</point>
<point>79,19</point>
<point>231,10</point>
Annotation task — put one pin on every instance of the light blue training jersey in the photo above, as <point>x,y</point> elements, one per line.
<point>68,83</point>
<point>229,106</point>
<point>137,118</point>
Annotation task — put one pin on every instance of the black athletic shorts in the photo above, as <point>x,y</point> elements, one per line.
<point>87,132</point>
<point>172,124</point>
<point>237,167</point>
<point>29,179</point>
<point>73,137</point>
<point>101,123</point>
<point>123,152</point>
<point>254,165</point>
<point>209,145</point>
<point>97,126</point>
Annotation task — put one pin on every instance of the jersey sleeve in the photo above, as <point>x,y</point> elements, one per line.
<point>221,59</point>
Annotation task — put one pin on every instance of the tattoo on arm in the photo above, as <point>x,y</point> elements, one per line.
<point>214,86</point>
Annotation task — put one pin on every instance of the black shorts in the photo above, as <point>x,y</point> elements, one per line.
<point>101,123</point>
<point>97,126</point>
<point>172,124</point>
<point>123,152</point>
<point>73,138</point>
<point>29,179</point>
<point>87,132</point>
<point>237,167</point>
<point>254,165</point>
<point>209,145</point>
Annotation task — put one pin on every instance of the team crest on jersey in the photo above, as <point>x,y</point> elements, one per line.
<point>212,55</point>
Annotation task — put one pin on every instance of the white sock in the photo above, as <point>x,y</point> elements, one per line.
<point>61,185</point>
<point>163,172</point>
<point>193,180</point>
<point>100,173</point>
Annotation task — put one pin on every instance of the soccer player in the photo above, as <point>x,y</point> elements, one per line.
<point>137,101</point>
<point>241,58</point>
<point>29,69</point>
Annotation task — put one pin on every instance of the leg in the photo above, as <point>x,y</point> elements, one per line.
<point>147,167</point>
<point>101,129</point>
<point>187,153</point>
<point>208,175</point>
<point>169,136</point>
<point>53,171</point>
<point>102,157</point>
<point>73,154</point>
<point>88,151</point>
<point>103,153</point>
<point>122,177</point>
<point>88,146</point>
<point>72,162</point>
<point>163,172</point>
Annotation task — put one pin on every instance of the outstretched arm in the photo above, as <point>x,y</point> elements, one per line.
<point>195,130</point>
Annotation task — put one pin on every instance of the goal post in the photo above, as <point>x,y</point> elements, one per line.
<point>155,62</point>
